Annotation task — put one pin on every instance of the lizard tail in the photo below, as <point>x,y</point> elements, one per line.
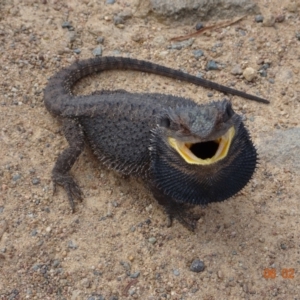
<point>58,91</point>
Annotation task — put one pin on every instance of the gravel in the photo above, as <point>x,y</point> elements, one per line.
<point>135,275</point>
<point>259,18</point>
<point>97,51</point>
<point>66,24</point>
<point>197,266</point>
<point>198,53</point>
<point>152,240</point>
<point>181,45</point>
<point>36,181</point>
<point>100,39</point>
<point>16,177</point>
<point>199,26</point>
<point>212,65</point>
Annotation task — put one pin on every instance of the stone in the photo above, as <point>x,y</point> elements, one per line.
<point>259,18</point>
<point>249,74</point>
<point>236,70</point>
<point>198,53</point>
<point>192,11</point>
<point>183,44</point>
<point>97,51</point>
<point>197,266</point>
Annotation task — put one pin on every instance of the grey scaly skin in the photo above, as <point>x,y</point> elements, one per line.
<point>186,153</point>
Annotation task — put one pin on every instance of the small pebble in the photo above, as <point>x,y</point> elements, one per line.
<point>135,275</point>
<point>242,32</point>
<point>110,1</point>
<point>97,51</point>
<point>212,65</point>
<point>262,73</point>
<point>46,209</point>
<point>249,74</point>
<point>77,51</point>
<point>152,240</point>
<point>176,272</point>
<point>85,283</point>
<point>34,232</point>
<point>220,274</point>
<point>298,36</point>
<point>126,265</point>
<point>259,18</point>
<point>66,24</point>
<point>35,181</point>
<point>283,246</point>
<point>72,245</point>
<point>237,70</point>
<point>265,66</point>
<point>197,266</point>
<point>36,267</point>
<point>118,20</point>
<point>55,263</point>
<point>181,45</point>
<point>199,26</point>
<point>1,209</point>
<point>198,53</point>
<point>271,80</point>
<point>113,298</point>
<point>100,39</point>
<point>16,177</point>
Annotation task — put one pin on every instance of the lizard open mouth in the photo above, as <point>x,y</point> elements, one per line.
<point>204,153</point>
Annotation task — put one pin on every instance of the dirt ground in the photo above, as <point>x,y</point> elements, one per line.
<point>117,245</point>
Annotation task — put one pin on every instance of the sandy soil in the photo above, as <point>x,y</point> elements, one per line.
<point>46,252</point>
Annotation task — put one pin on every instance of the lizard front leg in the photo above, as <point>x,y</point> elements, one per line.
<point>66,160</point>
<point>175,210</point>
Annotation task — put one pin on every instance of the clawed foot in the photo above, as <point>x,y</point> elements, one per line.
<point>70,186</point>
<point>178,211</point>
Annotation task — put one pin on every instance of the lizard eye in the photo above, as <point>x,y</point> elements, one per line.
<point>165,122</point>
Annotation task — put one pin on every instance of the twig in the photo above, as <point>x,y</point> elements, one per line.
<point>219,25</point>
<point>127,287</point>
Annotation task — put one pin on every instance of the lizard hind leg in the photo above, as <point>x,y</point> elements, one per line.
<point>66,160</point>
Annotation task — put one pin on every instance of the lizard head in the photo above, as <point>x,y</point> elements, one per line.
<point>207,148</point>
<point>201,135</point>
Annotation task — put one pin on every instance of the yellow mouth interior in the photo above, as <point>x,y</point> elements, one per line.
<point>220,145</point>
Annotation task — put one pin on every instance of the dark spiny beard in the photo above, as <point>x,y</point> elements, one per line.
<point>202,184</point>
